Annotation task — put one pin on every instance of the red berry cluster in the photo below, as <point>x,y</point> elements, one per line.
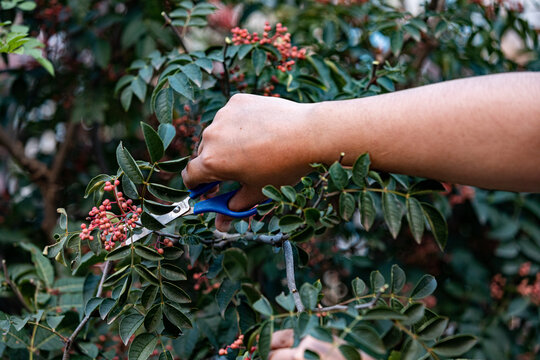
<point>235,345</point>
<point>113,228</point>
<point>496,287</point>
<point>281,40</point>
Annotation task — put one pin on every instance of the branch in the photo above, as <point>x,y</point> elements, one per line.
<point>291,282</point>
<point>63,152</point>
<point>14,287</point>
<point>39,173</point>
<point>69,342</point>
<point>339,307</point>
<point>177,32</point>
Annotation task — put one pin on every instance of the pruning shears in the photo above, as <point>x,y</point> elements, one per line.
<point>217,204</point>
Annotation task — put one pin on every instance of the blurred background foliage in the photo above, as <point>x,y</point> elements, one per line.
<point>57,132</point>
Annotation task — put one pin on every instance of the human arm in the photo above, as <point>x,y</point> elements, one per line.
<point>481,131</point>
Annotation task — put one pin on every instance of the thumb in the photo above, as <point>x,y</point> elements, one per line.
<point>244,199</point>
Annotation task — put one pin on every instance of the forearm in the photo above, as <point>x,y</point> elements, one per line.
<point>482,131</point>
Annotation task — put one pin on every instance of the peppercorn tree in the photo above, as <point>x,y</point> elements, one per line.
<point>188,291</point>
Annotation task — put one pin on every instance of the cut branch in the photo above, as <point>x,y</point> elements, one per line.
<point>289,268</point>
<point>71,339</point>
<point>14,287</point>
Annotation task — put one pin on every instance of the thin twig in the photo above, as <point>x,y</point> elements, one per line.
<point>177,32</point>
<point>71,339</point>
<point>289,269</point>
<point>14,287</point>
<point>226,81</point>
<point>339,307</point>
<point>373,78</point>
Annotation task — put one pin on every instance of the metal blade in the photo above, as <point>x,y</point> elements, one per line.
<point>182,208</point>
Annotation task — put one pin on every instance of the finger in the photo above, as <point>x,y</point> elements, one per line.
<point>195,174</point>
<point>284,354</point>
<point>282,339</point>
<point>200,147</point>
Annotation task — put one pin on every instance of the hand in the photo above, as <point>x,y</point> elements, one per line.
<point>282,342</point>
<point>256,141</point>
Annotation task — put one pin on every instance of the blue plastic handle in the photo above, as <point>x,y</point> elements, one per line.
<point>202,189</point>
<point>218,204</point>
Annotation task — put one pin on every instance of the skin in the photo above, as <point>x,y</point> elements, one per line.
<point>482,131</point>
<point>282,347</point>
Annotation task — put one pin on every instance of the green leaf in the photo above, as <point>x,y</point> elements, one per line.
<point>321,334</point>
<point>166,132</point>
<point>290,223</point>
<point>360,169</point>
<point>411,350</point>
<point>150,222</point>
<point>153,318</point>
<point>424,287</point>
<point>147,253</point>
<point>258,59</point>
<point>414,313</point>
<point>96,183</point>
<point>146,274</point>
<point>301,235</point>
<point>272,193</point>
<point>205,64</point>
<point>193,72</point>
<point>118,253</point>
<point>432,329</point>
<point>286,301</point>
<point>148,296</point>
<point>377,280</point>
<point>167,193</point>
<point>165,355</point>
<point>139,88</point>
<point>106,307</point>
<point>426,186</point>
<point>172,272</point>
<point>225,294</point>
<point>128,165</point>
<point>367,209</point>
<point>396,42</point>
<point>263,306</point>
<point>454,345</point>
<point>397,279</point>
<point>368,338</point>
<point>125,98</point>
<point>392,212</point>
<point>382,313</point>
<point>265,339</point>
<point>437,223</point>
<point>164,105</point>
<point>142,347</point>
<point>129,325</point>
<point>174,293</point>
<point>359,287</point>
<point>156,208</point>
<point>177,317</point>
<point>415,218</point>
<point>312,216</point>
<point>289,193</point>
<point>349,352</point>
<point>179,82</point>
<point>129,188</point>
<point>153,142</point>
<point>309,295</point>
<point>414,32</point>
<point>174,166</point>
<point>44,269</point>
<point>346,206</point>
<point>338,175</point>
